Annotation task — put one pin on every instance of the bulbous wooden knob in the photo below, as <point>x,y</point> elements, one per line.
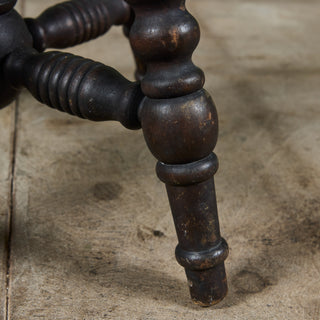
<point>180,130</point>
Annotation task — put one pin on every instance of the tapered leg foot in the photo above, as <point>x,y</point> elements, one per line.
<point>201,250</point>
<point>208,287</point>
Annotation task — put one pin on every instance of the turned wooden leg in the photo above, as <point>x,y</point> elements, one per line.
<point>180,125</point>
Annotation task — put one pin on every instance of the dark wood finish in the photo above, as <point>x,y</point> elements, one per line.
<point>73,22</point>
<point>180,125</point>
<point>75,85</point>
<point>141,67</point>
<point>6,5</point>
<point>13,35</point>
<point>178,117</point>
<point>68,83</point>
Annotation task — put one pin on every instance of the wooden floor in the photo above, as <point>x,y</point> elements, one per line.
<point>85,227</point>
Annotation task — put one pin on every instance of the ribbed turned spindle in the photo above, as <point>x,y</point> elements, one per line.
<point>75,85</point>
<point>73,22</point>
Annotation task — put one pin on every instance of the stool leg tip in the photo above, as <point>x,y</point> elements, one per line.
<point>208,287</point>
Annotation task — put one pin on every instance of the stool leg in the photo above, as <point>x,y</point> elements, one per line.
<point>171,129</point>
<point>180,126</point>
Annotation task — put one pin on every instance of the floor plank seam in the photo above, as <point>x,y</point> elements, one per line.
<point>11,205</point>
